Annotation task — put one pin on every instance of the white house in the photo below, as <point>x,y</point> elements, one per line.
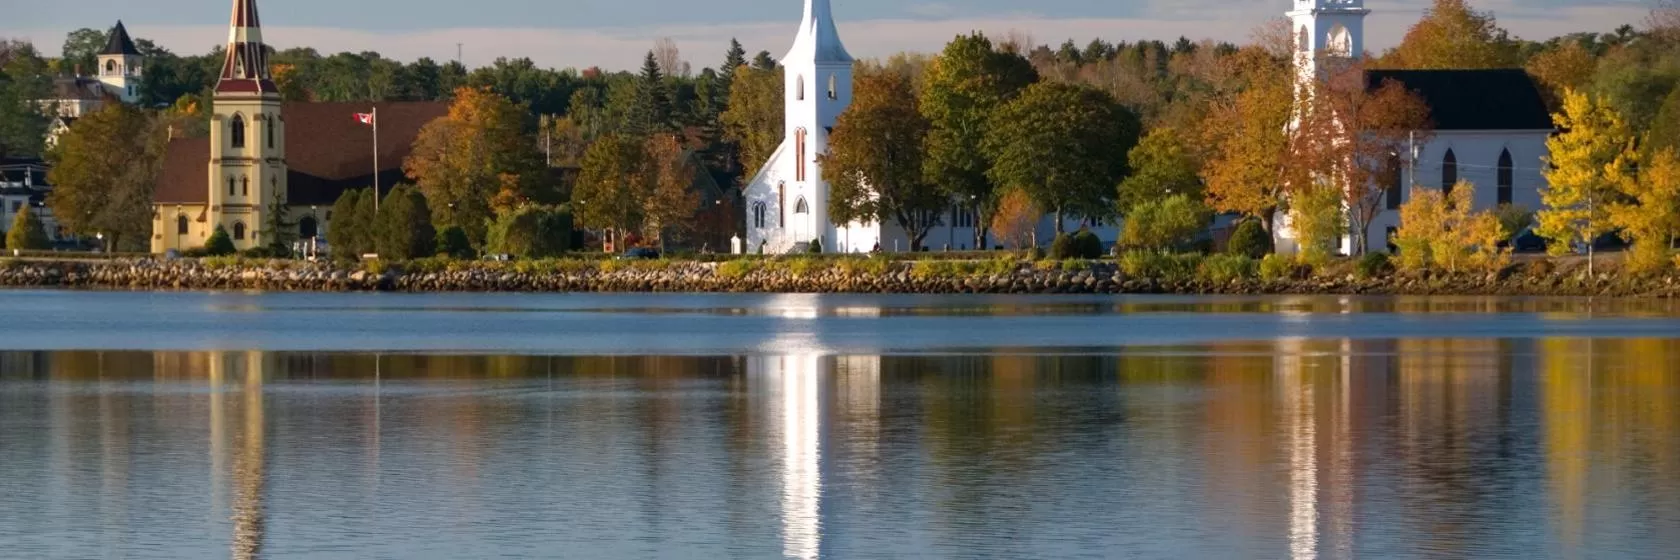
<point>1490,126</point>
<point>787,202</point>
<point>23,183</point>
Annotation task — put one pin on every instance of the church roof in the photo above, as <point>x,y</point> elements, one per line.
<point>119,43</point>
<point>1495,99</point>
<point>818,40</point>
<point>327,152</point>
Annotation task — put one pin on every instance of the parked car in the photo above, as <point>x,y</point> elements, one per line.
<point>640,253</point>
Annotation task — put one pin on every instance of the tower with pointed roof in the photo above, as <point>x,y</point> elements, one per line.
<point>247,135</point>
<point>120,65</point>
<point>787,203</point>
<point>1327,32</point>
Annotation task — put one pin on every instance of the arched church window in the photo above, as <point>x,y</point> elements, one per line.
<point>1303,41</point>
<point>239,230</point>
<point>236,131</point>
<point>1339,43</point>
<point>306,227</point>
<point>799,166</point>
<point>1505,177</point>
<point>1449,172</point>
<point>268,127</point>
<point>800,207</point>
<point>781,204</point>
<point>799,85</point>
<point>833,93</point>
<point>110,67</point>
<point>758,215</point>
<point>231,183</point>
<point>245,186</point>
<point>181,224</point>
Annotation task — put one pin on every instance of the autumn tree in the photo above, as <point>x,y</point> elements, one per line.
<point>612,185</point>
<point>27,234</point>
<point>1442,229</point>
<point>1569,66</point>
<point>1317,218</point>
<point>1665,130</point>
<point>1451,35</point>
<point>963,86</point>
<point>1064,144</point>
<point>1249,140</point>
<point>1161,166</point>
<point>103,173</point>
<point>1580,186</point>
<point>671,200</point>
<point>1016,219</point>
<point>1351,134</point>
<point>874,165</point>
<point>1650,214</point>
<point>754,118</point>
<point>464,160</point>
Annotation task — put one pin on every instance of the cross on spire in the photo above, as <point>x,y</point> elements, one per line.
<point>246,67</point>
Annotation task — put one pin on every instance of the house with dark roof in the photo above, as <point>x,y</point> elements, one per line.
<point>264,155</point>
<point>23,182</point>
<point>1489,125</point>
<point>117,77</point>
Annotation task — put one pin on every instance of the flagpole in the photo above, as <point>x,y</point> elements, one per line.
<point>376,195</point>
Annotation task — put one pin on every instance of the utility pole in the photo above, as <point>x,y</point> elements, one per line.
<point>548,150</point>
<point>458,55</point>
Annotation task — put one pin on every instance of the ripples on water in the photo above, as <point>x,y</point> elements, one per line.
<point>1475,445</point>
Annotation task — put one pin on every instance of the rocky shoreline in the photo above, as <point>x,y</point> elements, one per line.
<point>1095,277</point>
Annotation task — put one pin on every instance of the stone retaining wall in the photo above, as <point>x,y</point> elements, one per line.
<point>898,277</point>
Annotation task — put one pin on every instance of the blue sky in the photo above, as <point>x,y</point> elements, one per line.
<point>612,33</point>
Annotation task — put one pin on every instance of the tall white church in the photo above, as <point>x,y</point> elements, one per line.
<point>1490,125</point>
<point>787,202</point>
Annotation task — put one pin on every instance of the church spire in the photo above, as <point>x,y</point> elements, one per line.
<point>818,41</point>
<point>246,67</point>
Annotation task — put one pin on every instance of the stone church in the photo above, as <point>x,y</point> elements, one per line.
<point>264,153</point>
<point>787,202</point>
<point>1490,126</point>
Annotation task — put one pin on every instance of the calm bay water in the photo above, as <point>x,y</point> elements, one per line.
<point>136,425</point>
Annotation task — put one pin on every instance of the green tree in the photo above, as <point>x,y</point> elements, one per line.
<point>653,100</point>
<point>452,241</point>
<point>219,243</point>
<point>874,165</point>
<point>612,185</point>
<point>1451,35</point>
<point>278,228</point>
<point>1064,144</point>
<point>968,81</point>
<point>1165,222</point>
<point>347,235</point>
<point>532,232</point>
<point>1665,130</point>
<point>1161,167</point>
<point>404,228</point>
<point>479,153</point>
<point>754,118</point>
<point>81,49</point>
<point>1580,188</point>
<point>23,80</point>
<point>27,234</point>
<point>732,60</point>
<point>103,173</point>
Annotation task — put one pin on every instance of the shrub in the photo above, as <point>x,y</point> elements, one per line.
<point>1224,269</point>
<point>815,247</point>
<point>27,233</point>
<point>1034,254</point>
<point>219,243</point>
<point>1543,267</point>
<point>1513,218</point>
<point>731,269</point>
<point>1317,218</point>
<point>804,266</point>
<point>873,265</point>
<point>1062,247</point>
<point>1002,264</point>
<point>531,231</point>
<point>1373,265</point>
<point>1275,267</point>
<point>452,242</point>
<point>927,269</point>
<point>1165,267</point>
<point>1249,239</point>
<point>1086,245</point>
<point>1165,223</point>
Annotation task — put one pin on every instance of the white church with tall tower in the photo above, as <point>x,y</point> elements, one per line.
<point>1489,125</point>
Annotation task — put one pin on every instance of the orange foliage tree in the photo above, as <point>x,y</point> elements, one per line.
<point>477,154</point>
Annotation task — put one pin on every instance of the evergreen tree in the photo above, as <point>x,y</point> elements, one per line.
<point>405,225</point>
<point>27,234</point>
<point>277,228</point>
<point>763,61</point>
<point>653,100</point>
<point>219,243</point>
<point>735,58</point>
<point>348,227</point>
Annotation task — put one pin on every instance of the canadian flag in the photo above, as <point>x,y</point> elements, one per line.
<point>364,118</point>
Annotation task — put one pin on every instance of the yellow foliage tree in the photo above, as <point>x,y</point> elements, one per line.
<point>672,200</point>
<point>1651,216</point>
<point>1016,219</point>
<point>1451,35</point>
<point>1249,139</point>
<point>1581,161</point>
<point>1316,216</point>
<point>1437,229</point>
<point>1564,68</point>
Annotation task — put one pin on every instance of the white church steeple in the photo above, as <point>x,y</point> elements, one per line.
<point>1327,31</point>
<point>818,40</point>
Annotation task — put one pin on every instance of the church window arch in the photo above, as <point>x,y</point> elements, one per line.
<point>110,67</point>
<point>800,207</point>
<point>239,230</point>
<point>758,215</point>
<point>1303,41</point>
<point>231,184</point>
<point>799,86</point>
<point>245,186</point>
<point>781,204</point>
<point>181,224</point>
<point>1339,43</point>
<point>799,143</point>
<point>833,91</point>
<point>1505,179</point>
<point>1449,172</point>
<point>236,131</point>
<point>268,128</point>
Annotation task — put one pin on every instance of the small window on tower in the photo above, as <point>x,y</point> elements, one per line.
<point>238,66</point>
<point>799,145</point>
<point>268,126</point>
<point>236,131</point>
<point>245,186</point>
<point>231,192</point>
<point>832,93</point>
<point>110,67</point>
<point>799,87</point>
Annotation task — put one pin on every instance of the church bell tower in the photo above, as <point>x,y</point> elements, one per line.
<point>1327,32</point>
<point>818,87</point>
<point>247,136</point>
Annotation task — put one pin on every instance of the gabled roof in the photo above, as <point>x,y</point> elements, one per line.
<point>1495,99</point>
<point>119,43</point>
<point>327,152</point>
